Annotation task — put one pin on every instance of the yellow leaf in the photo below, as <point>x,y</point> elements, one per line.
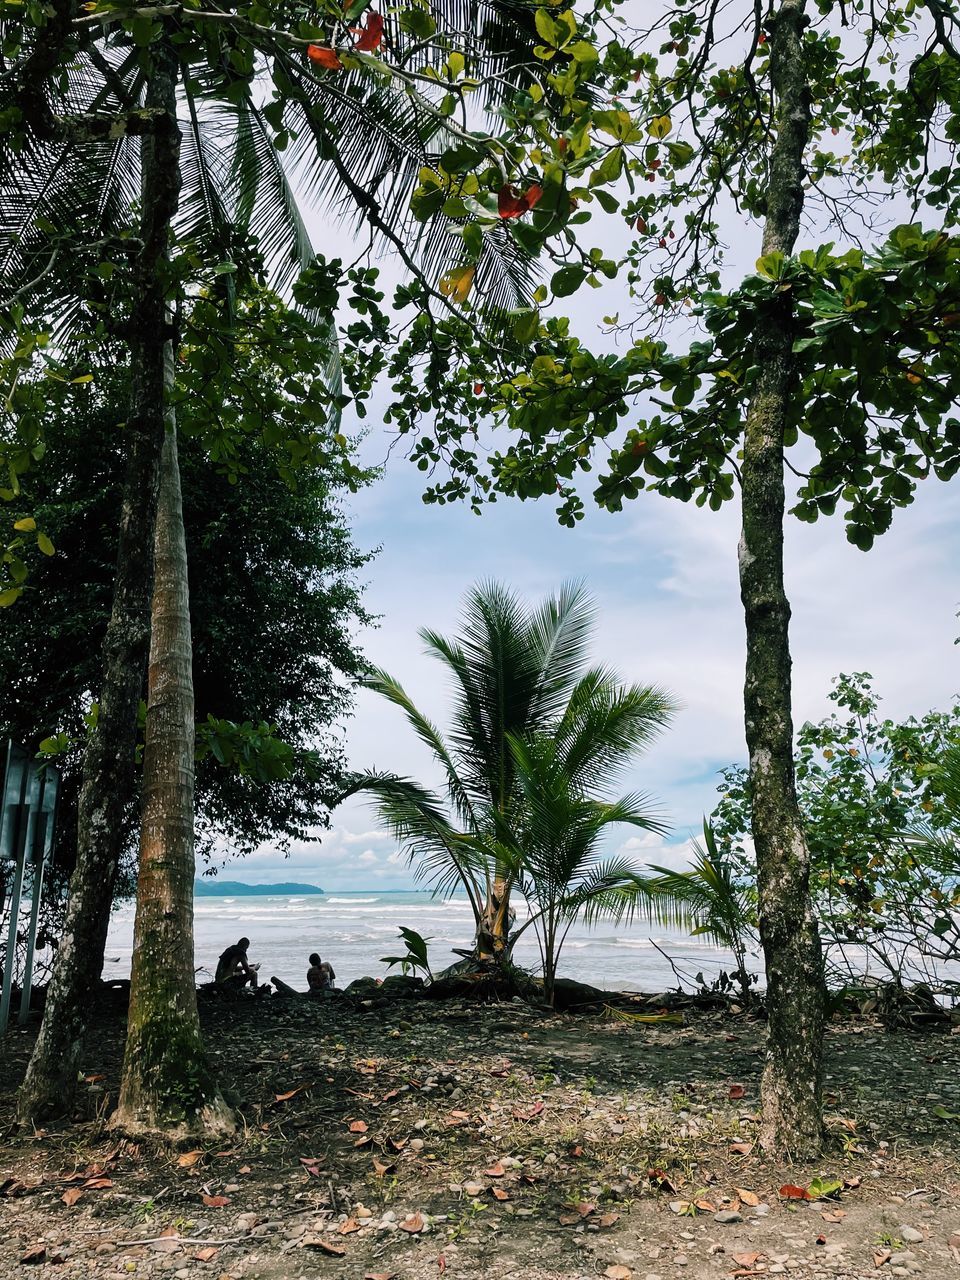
<point>84,377</point>
<point>659,126</point>
<point>456,284</point>
<point>26,526</point>
<point>8,597</point>
<point>45,545</point>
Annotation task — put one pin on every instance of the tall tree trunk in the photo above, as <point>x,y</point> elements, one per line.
<point>791,1089</point>
<point>167,1084</point>
<point>108,787</point>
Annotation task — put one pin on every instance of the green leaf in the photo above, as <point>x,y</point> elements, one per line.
<point>45,545</point>
<point>27,525</point>
<point>567,281</point>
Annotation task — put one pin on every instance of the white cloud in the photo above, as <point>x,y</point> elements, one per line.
<point>367,858</point>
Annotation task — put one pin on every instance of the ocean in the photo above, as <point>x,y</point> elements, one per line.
<point>354,930</point>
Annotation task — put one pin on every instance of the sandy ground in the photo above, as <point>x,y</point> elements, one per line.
<point>416,1140</point>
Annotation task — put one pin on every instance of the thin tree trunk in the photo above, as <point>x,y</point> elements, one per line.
<point>167,1084</point>
<point>791,1089</point>
<point>108,787</point>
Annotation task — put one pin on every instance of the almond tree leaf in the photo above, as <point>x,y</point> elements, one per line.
<point>500,1194</point>
<point>358,1126</point>
<point>189,1159</point>
<point>216,1202</point>
<point>413,1224</point>
<point>789,1192</point>
<point>748,1197</point>
<point>206,1254</point>
<point>71,1196</point>
<point>347,1228</point>
<point>495,1171</point>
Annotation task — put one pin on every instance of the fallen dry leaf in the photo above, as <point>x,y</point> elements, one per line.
<point>358,1126</point>
<point>413,1224</point>
<point>396,1144</point>
<point>94,1079</point>
<point>325,1246</point>
<point>789,1192</point>
<point>608,1219</point>
<point>747,1197</point>
<point>736,1092</point>
<point>661,1180</point>
<point>379,1275</point>
<point>189,1159</point>
<point>617,1272</point>
<point>285,1097</point>
<point>36,1254</point>
<point>741,1148</point>
<point>206,1254</point>
<point>347,1228</point>
<point>837,1215</point>
<point>97,1184</point>
<point>380,1169</point>
<point>884,1255</point>
<point>215,1202</point>
<point>851,1184</point>
<point>500,1194</point>
<point>244,1168</point>
<point>746,1259</point>
<point>71,1196</point>
<point>534,1111</point>
<point>495,1171</point>
<point>365,1141</point>
<point>705,1206</point>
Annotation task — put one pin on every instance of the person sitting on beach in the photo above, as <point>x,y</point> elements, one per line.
<point>320,975</point>
<point>233,968</point>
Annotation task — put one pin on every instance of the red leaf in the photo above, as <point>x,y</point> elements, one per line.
<point>216,1202</point>
<point>71,1196</point>
<point>347,1228</point>
<point>512,204</point>
<point>500,1194</point>
<point>372,36</point>
<point>97,1184</point>
<point>358,1126</point>
<point>495,1171</point>
<point>737,1091</point>
<point>790,1192</point>
<point>413,1224</point>
<point>323,57</point>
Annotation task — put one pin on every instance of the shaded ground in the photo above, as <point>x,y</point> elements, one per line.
<point>418,1140</point>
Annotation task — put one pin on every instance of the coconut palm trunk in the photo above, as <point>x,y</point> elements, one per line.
<point>167,1083</point>
<point>108,787</point>
<point>791,1090</point>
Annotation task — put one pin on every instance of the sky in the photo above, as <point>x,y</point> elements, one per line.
<point>664,578</point>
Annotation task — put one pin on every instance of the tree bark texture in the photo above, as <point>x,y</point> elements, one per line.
<point>109,766</point>
<point>791,1090</point>
<point>167,1085</point>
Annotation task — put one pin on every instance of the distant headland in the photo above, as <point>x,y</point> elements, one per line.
<point>236,889</point>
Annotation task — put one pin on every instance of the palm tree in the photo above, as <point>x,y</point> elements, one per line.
<point>519,680</point>
<point>556,850</point>
<point>710,899</point>
<point>103,120</point>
